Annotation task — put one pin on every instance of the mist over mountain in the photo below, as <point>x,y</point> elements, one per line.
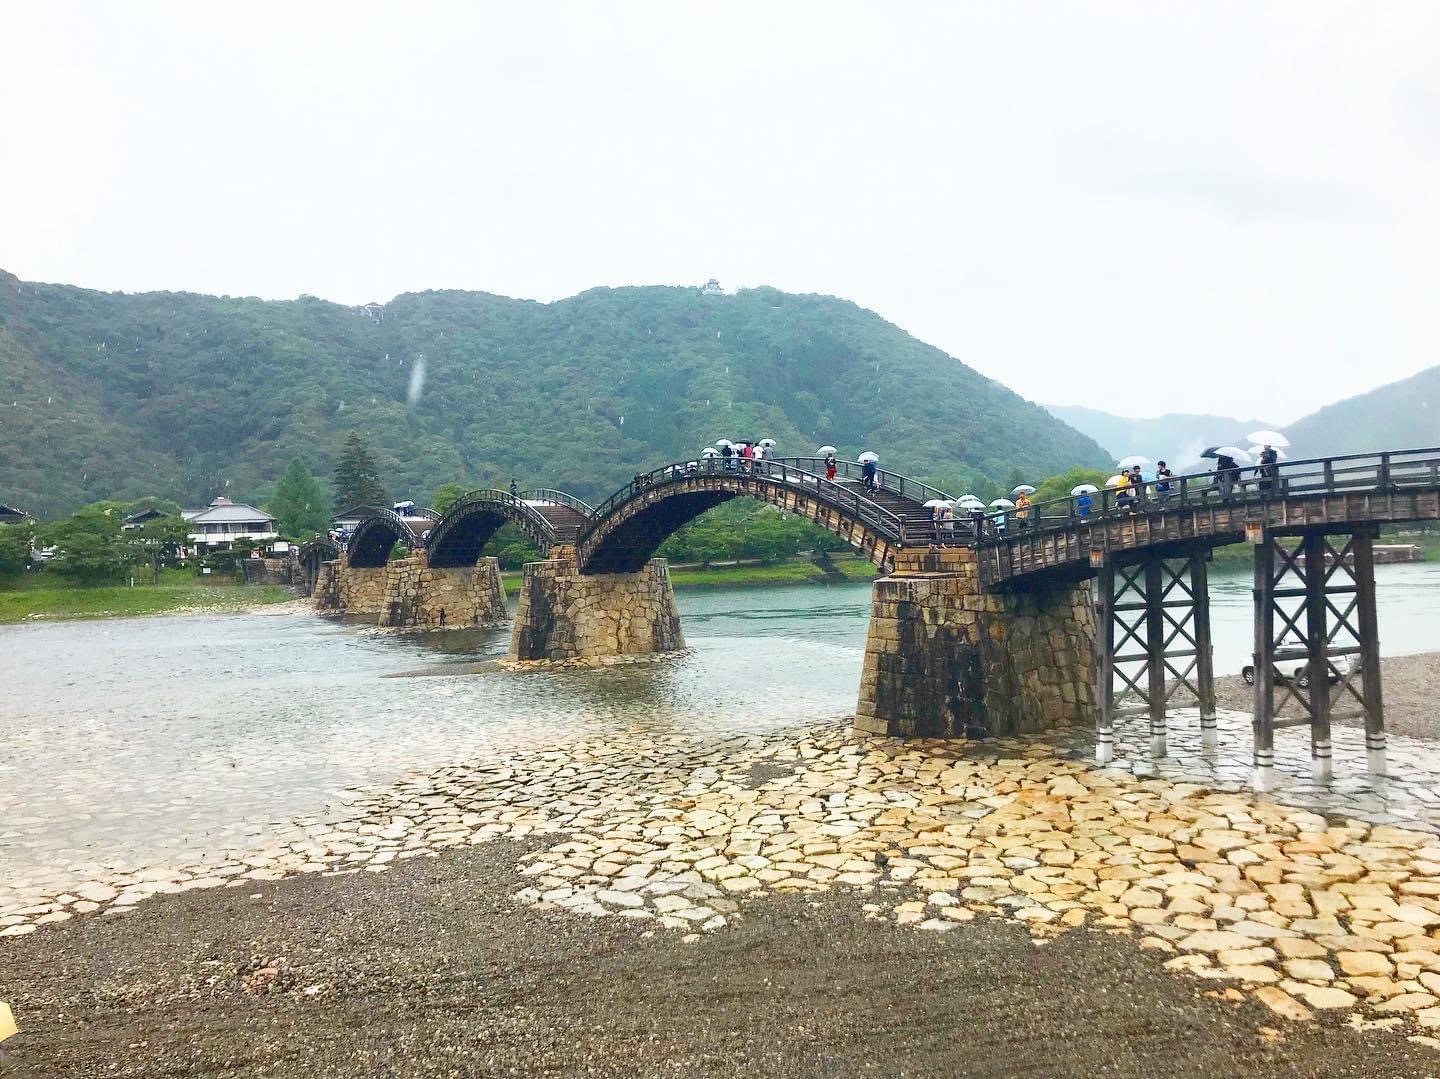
<point>185,396</point>
<point>1177,437</point>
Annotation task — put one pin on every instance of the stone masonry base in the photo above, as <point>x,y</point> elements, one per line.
<point>408,594</point>
<point>565,615</point>
<point>943,658</point>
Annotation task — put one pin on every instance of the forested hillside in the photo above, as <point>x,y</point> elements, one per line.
<point>184,396</point>
<point>1402,415</point>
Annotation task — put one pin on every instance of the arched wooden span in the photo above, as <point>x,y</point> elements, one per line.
<point>311,555</point>
<point>630,526</point>
<point>545,517</point>
<point>376,536</point>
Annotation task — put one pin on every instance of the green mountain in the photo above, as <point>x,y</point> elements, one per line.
<point>184,396</point>
<point>1177,438</point>
<point>1401,415</point>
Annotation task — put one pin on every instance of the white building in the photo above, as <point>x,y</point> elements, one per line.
<point>221,523</point>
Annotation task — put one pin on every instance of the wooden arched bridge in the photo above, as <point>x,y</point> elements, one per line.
<point>987,627</point>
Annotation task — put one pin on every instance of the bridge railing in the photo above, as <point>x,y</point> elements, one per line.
<point>559,498</point>
<point>1356,473</point>
<point>852,470</point>
<point>775,471</point>
<point>486,494</point>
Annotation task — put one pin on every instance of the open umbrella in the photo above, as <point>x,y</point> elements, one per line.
<point>1084,489</point>
<point>1132,461</point>
<point>1280,455</point>
<point>969,500</point>
<point>1235,452</point>
<point>826,451</point>
<point>868,456</point>
<point>768,443</point>
<point>1001,504</point>
<point>1023,489</point>
<point>934,503</point>
<point>723,442</point>
<point>1268,438</point>
<point>1113,481</point>
<point>709,451</point>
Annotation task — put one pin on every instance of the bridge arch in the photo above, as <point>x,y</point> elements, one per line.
<point>630,527</point>
<point>375,537</point>
<point>545,517</point>
<point>312,554</point>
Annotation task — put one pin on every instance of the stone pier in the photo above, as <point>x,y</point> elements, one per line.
<point>410,594</point>
<point>943,658</point>
<point>566,615</point>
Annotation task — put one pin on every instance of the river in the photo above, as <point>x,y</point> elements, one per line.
<point>128,741</point>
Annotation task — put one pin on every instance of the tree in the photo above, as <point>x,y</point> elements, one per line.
<point>158,542</point>
<point>1060,486</point>
<point>299,503</point>
<point>447,496</point>
<point>15,543</point>
<point>90,543</point>
<point>357,479</point>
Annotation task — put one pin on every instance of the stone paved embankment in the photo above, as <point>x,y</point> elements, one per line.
<point>1304,911</point>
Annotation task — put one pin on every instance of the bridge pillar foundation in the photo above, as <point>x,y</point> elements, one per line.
<point>325,590</point>
<point>943,658</point>
<point>564,614</point>
<point>356,592</point>
<point>420,596</point>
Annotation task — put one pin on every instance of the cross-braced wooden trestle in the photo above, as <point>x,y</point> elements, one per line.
<point>1154,615</point>
<point>1316,643</point>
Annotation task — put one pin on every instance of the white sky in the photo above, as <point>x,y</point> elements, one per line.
<point>1141,207</point>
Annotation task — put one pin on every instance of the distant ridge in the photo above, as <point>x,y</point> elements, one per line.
<point>186,396</point>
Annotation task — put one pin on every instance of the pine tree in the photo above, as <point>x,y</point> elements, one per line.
<point>299,503</point>
<point>357,480</point>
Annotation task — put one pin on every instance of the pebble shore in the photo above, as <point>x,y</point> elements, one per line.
<point>1284,905</point>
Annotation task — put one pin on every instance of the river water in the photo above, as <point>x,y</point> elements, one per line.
<point>131,741</point>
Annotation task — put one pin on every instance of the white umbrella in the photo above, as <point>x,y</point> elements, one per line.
<point>868,456</point>
<point>1280,455</point>
<point>1002,504</point>
<point>1023,489</point>
<point>1240,456</point>
<point>1268,438</point>
<point>1084,489</point>
<point>723,442</point>
<point>1132,461</point>
<point>826,451</point>
<point>969,500</point>
<point>768,443</point>
<point>1113,481</point>
<point>935,502</point>
<point>709,451</point>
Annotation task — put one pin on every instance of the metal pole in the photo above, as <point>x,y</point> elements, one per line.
<point>1204,650</point>
<point>1264,708</point>
<point>1315,647</point>
<point>1364,548</point>
<point>1104,604</point>
<point>1155,654</point>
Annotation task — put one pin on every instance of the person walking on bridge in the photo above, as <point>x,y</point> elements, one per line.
<point>1162,481</point>
<point>514,490</point>
<point>868,475</point>
<point>1022,510</point>
<point>830,468</point>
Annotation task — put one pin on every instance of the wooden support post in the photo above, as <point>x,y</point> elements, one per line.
<point>1204,649</point>
<point>1264,709</point>
<point>1316,646</point>
<point>1364,549</point>
<point>1155,654</point>
<point>1105,614</point>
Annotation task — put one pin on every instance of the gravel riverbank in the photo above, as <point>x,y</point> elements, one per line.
<point>1411,687</point>
<point>431,969</point>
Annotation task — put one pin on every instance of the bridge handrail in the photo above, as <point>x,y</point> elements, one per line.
<point>549,494</point>
<point>771,470</point>
<point>890,481</point>
<point>1380,471</point>
<point>489,494</point>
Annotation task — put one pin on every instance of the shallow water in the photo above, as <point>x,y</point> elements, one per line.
<point>129,740</point>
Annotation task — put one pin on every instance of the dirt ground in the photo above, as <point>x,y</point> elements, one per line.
<point>1409,683</point>
<point>431,970</point>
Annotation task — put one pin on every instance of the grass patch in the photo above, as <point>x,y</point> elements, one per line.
<point>48,601</point>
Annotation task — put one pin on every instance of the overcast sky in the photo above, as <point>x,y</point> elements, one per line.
<point>1140,207</point>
